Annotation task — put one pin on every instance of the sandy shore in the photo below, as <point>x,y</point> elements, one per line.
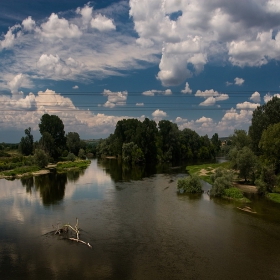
<point>246,188</point>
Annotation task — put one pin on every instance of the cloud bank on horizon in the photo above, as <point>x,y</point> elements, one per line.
<point>86,46</point>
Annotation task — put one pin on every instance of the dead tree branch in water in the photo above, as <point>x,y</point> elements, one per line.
<point>75,229</point>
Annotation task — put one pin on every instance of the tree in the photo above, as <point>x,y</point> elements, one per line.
<point>26,143</point>
<point>263,116</point>
<point>267,180</point>
<point>131,153</point>
<point>239,139</point>
<point>55,127</point>
<point>190,144</point>
<point>169,140</point>
<point>73,142</point>
<point>147,138</point>
<point>270,146</point>
<point>46,143</point>
<point>216,142</point>
<point>246,163</point>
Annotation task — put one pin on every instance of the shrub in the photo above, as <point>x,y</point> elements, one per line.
<point>190,184</point>
<point>222,180</point>
<point>41,158</point>
<point>82,154</point>
<point>71,157</point>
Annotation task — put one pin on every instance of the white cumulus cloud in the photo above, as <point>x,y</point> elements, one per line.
<point>53,65</point>
<point>115,98</point>
<point>211,96</point>
<point>247,105</point>
<point>187,89</point>
<point>28,24</point>
<point>86,13</point>
<point>58,28</point>
<point>268,97</point>
<point>256,97</point>
<point>19,81</point>
<point>102,23</point>
<point>158,115</point>
<point>239,81</point>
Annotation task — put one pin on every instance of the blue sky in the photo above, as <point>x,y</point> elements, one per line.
<point>205,65</point>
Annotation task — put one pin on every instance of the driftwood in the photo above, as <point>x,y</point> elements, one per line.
<point>247,209</point>
<point>65,229</point>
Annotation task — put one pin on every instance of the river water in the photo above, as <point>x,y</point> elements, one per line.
<point>138,226</point>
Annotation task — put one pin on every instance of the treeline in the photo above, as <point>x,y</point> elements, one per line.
<point>256,154</point>
<point>54,144</point>
<point>135,141</point>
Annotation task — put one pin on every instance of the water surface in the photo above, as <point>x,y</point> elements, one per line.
<point>138,226</point>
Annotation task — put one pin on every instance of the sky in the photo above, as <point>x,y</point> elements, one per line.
<point>202,64</point>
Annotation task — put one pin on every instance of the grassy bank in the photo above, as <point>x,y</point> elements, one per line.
<point>19,166</point>
<point>24,170</point>
<point>78,164</point>
<point>274,197</point>
<point>235,194</point>
<point>204,171</point>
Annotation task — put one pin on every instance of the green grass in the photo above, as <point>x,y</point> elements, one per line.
<point>195,169</point>
<point>21,170</point>
<point>235,194</point>
<point>274,197</point>
<point>62,166</point>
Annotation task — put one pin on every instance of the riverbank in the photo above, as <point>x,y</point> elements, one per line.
<point>28,171</point>
<point>204,171</point>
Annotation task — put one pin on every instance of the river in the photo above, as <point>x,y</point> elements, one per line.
<point>138,226</point>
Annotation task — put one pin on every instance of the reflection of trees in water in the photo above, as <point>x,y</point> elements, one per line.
<point>74,175</point>
<point>112,167</point>
<point>132,172</point>
<point>28,183</point>
<point>51,187</point>
<point>124,172</point>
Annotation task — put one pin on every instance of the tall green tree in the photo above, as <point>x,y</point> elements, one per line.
<point>26,143</point>
<point>55,127</point>
<point>147,139</point>
<point>216,142</point>
<point>169,135</point>
<point>239,139</point>
<point>270,146</point>
<point>246,163</point>
<point>46,143</point>
<point>73,142</point>
<point>263,116</point>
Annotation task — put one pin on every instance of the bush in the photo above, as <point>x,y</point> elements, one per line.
<point>41,158</point>
<point>190,184</point>
<point>222,180</point>
<point>71,157</point>
<point>82,154</point>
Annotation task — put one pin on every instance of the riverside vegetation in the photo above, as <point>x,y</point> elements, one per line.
<point>254,158</point>
<point>64,152</point>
